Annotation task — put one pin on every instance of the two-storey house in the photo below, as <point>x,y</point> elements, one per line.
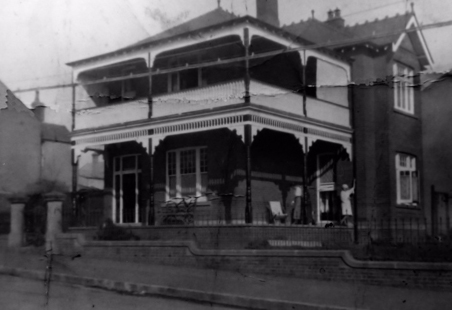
<point>240,106</point>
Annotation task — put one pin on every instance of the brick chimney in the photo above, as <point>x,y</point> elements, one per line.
<point>267,11</point>
<point>38,108</point>
<point>335,19</point>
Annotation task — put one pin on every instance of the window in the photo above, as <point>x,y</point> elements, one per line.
<point>403,89</point>
<point>186,172</point>
<point>185,79</point>
<point>407,180</point>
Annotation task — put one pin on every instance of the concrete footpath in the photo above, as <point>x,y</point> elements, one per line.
<point>237,289</point>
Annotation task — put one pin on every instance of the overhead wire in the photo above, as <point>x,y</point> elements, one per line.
<point>374,8</point>
<point>273,53</point>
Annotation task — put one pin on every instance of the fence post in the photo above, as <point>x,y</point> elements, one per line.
<point>16,233</point>
<point>54,202</point>
<point>425,228</point>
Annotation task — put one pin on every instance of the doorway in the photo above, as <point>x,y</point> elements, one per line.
<point>328,208</point>
<point>126,185</point>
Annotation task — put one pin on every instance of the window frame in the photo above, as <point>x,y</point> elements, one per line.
<point>409,167</point>
<point>403,88</point>
<point>198,171</point>
<point>174,80</point>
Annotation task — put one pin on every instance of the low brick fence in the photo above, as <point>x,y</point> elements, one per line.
<point>243,236</point>
<point>332,265</point>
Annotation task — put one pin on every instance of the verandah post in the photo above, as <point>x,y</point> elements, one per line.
<point>150,215</point>
<point>150,112</point>
<point>246,39</point>
<point>248,207</point>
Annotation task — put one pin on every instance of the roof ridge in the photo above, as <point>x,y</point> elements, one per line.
<point>176,28</point>
<point>323,24</point>
<point>220,9</point>
<point>377,20</point>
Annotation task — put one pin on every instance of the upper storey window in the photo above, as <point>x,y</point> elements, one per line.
<point>403,88</point>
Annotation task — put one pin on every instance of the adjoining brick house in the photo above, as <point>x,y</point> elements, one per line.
<point>31,153</point>
<point>436,129</point>
<point>19,151</point>
<point>214,105</point>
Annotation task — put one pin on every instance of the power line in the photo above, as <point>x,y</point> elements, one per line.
<point>375,8</point>
<point>274,53</point>
<point>261,55</point>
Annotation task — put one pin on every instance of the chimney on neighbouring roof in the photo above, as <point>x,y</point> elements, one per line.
<point>38,107</point>
<point>335,19</point>
<point>267,11</point>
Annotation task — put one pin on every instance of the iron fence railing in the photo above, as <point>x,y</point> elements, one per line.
<point>185,212</point>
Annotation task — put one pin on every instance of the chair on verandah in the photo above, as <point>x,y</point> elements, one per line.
<point>276,212</point>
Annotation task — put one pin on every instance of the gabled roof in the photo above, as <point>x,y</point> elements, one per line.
<point>9,101</point>
<point>211,18</point>
<point>381,32</point>
<point>395,24</point>
<point>216,19</point>
<point>321,32</point>
<point>317,31</point>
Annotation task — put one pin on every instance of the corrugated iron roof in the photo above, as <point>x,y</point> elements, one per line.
<point>11,102</point>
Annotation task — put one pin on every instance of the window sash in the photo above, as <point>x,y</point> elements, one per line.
<point>407,179</point>
<point>187,172</point>
<point>403,88</point>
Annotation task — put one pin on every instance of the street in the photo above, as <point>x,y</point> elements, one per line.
<point>24,294</point>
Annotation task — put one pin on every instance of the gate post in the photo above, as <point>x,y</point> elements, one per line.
<point>54,227</point>
<point>16,233</point>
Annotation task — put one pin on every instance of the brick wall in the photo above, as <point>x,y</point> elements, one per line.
<point>314,264</point>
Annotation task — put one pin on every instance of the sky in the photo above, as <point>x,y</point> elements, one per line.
<point>38,37</point>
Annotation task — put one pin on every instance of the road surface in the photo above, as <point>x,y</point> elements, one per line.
<point>24,294</point>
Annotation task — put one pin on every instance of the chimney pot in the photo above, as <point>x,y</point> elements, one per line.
<point>335,19</point>
<point>330,15</point>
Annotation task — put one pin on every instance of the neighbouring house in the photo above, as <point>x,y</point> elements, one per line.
<point>19,150</point>
<point>56,167</point>
<point>31,153</point>
<point>437,175</point>
<point>247,109</point>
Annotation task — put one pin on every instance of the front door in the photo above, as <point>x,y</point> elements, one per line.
<point>127,176</point>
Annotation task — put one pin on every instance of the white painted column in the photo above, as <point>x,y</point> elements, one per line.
<point>16,234</point>
<point>54,220</point>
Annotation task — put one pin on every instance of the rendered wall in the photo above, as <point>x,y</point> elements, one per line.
<point>56,164</point>
<point>20,150</point>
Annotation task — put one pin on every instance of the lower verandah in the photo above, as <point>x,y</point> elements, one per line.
<point>114,180</point>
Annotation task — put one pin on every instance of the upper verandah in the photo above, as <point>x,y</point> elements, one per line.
<point>210,26</point>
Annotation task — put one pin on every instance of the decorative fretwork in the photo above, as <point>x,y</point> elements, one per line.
<point>193,126</point>
<point>232,122</point>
